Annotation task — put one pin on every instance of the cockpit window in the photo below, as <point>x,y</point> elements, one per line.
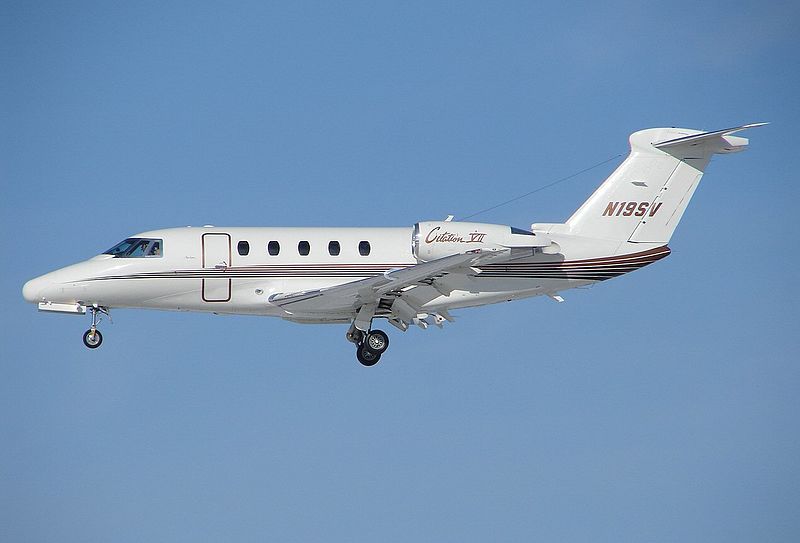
<point>136,248</point>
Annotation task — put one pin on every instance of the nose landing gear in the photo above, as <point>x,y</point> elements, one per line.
<point>92,338</point>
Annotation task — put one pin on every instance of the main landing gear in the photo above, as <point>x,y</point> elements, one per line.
<point>92,337</point>
<point>369,346</point>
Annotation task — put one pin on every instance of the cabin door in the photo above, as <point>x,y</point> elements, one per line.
<point>216,261</point>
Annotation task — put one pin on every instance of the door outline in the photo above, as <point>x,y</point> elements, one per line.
<point>214,283</point>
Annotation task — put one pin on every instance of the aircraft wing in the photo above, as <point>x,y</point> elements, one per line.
<point>356,294</point>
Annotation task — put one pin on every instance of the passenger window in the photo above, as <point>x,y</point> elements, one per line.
<point>303,248</point>
<point>333,248</point>
<point>243,247</point>
<point>273,247</point>
<point>363,248</point>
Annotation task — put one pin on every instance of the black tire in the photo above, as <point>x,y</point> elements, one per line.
<point>92,344</point>
<point>377,341</point>
<point>367,357</point>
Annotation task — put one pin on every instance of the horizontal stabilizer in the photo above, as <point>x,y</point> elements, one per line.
<point>718,141</point>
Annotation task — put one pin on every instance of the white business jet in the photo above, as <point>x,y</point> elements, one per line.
<point>408,276</point>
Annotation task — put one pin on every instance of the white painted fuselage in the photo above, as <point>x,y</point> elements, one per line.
<point>190,274</point>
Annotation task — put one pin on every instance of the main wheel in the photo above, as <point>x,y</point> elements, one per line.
<point>92,340</point>
<point>367,357</point>
<point>377,341</point>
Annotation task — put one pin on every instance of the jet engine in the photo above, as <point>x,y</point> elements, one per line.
<point>438,239</point>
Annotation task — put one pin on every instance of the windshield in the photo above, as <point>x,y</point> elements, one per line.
<point>136,248</point>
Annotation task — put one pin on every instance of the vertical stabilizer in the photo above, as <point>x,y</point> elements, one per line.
<point>645,197</point>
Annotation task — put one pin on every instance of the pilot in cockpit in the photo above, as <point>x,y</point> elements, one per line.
<point>136,248</point>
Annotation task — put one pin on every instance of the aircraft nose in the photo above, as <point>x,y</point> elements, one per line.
<point>31,290</point>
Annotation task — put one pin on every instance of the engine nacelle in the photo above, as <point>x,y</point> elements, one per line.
<point>438,239</point>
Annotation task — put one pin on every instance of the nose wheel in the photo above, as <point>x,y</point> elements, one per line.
<point>92,337</point>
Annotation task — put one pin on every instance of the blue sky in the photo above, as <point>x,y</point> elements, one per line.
<point>661,406</point>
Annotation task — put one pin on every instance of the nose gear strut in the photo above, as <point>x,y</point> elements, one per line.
<point>92,338</point>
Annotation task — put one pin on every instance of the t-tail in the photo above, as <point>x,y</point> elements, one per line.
<point>644,199</point>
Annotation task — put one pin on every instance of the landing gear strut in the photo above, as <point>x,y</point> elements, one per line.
<point>369,345</point>
<point>92,338</point>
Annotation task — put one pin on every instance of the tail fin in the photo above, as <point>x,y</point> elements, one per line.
<point>645,197</point>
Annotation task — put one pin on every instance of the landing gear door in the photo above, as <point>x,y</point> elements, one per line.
<point>216,260</point>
